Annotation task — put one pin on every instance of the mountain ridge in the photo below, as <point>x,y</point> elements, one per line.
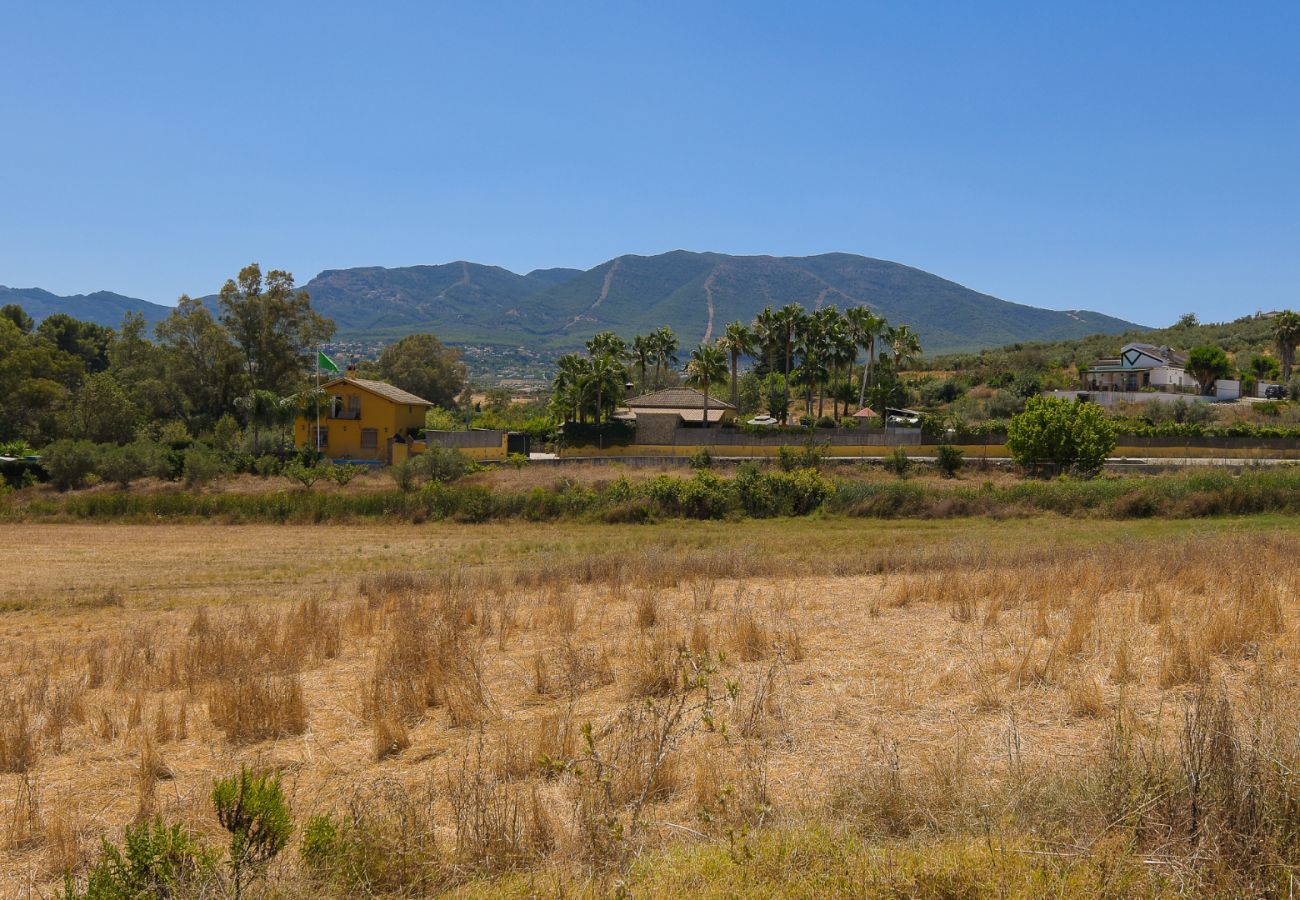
<point>695,293</point>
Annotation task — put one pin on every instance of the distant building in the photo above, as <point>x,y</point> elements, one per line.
<point>660,413</point>
<point>361,419</point>
<point>1141,367</point>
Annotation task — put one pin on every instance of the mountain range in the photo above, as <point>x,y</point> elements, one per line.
<point>696,294</point>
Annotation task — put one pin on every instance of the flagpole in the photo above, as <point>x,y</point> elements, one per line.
<point>317,398</point>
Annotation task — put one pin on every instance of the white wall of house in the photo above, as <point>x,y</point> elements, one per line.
<point>1171,376</point>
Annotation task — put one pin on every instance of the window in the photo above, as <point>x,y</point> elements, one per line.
<point>369,438</point>
<point>322,437</point>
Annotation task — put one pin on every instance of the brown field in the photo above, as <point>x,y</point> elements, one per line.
<point>915,683</point>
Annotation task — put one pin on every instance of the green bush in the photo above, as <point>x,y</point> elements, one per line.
<point>343,474</point>
<point>267,465</point>
<point>156,861</point>
<point>1061,436</point>
<point>898,463</point>
<point>442,464</point>
<point>702,459</point>
<point>70,463</point>
<point>304,474</point>
<point>252,808</point>
<point>125,464</point>
<point>404,476</point>
<point>202,466</point>
<point>948,460</point>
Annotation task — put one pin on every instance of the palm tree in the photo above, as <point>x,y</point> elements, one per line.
<point>571,377</point>
<point>1286,328</point>
<point>903,344</point>
<point>791,320</point>
<point>866,328</point>
<point>842,350</point>
<point>606,376</point>
<point>708,364</point>
<point>666,346</point>
<point>643,348</point>
<point>767,332</point>
<point>607,343</point>
<point>263,409</point>
<point>737,341</point>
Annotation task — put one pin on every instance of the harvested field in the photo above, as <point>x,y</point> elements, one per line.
<point>557,707</point>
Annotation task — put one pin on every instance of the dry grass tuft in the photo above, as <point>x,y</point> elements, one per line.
<point>254,708</point>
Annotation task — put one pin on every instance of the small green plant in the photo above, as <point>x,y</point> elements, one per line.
<point>306,475</point>
<point>343,475</point>
<point>787,458</point>
<point>403,475</point>
<point>442,464</point>
<point>702,459</point>
<point>517,461</point>
<point>202,466</point>
<point>948,459</point>
<point>251,807</point>
<point>898,463</point>
<point>156,861</point>
<point>320,844</point>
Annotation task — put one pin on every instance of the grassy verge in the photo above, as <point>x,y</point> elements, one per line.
<point>751,493</point>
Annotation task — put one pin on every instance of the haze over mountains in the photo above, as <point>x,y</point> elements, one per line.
<point>694,293</point>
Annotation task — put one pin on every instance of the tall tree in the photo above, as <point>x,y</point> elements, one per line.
<point>866,328</point>
<point>666,346</point>
<point>790,320</point>
<point>708,365</point>
<point>274,326</point>
<point>643,350</point>
<point>1207,364</point>
<point>201,361</point>
<point>904,345</point>
<point>736,341</point>
<point>424,366</point>
<point>1286,329</point>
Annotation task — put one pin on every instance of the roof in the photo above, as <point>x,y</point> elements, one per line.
<point>382,389</point>
<point>687,413</point>
<point>676,398</point>
<point>865,413</point>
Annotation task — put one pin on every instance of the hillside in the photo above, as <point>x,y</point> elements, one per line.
<point>694,293</point>
<point>101,307</point>
<point>1241,338</point>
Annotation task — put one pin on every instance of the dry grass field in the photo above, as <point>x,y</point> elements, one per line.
<point>812,707</point>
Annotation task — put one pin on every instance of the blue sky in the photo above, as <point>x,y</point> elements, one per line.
<point>1138,159</point>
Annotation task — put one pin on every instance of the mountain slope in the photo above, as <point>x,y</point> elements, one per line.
<point>696,294</point>
<point>101,307</point>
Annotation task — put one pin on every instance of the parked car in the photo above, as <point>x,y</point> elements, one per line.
<point>1275,392</point>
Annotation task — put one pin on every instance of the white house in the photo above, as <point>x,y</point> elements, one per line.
<point>1139,367</point>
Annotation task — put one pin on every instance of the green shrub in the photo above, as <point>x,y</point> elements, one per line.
<point>252,808</point>
<point>267,465</point>
<point>156,861</point>
<point>702,459</point>
<point>826,422</point>
<point>1061,436</point>
<point>125,464</point>
<point>404,476</point>
<point>442,464</point>
<point>787,458</point>
<point>517,461</point>
<point>70,463</point>
<point>202,466</point>
<point>304,474</point>
<point>342,475</point>
<point>898,463</point>
<point>948,460</point>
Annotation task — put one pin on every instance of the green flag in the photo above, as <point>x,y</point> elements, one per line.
<point>324,363</point>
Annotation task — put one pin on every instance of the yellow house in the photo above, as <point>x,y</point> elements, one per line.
<point>360,420</point>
